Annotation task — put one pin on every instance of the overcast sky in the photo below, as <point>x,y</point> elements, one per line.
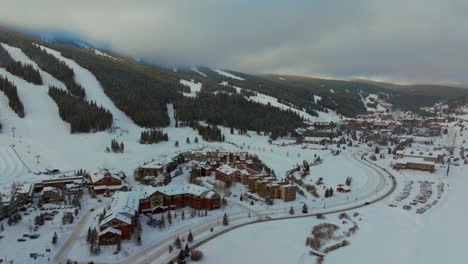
<point>398,40</point>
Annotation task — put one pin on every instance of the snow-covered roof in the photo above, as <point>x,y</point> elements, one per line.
<point>104,173</point>
<point>24,189</point>
<point>420,153</point>
<point>111,230</point>
<point>158,163</point>
<point>174,189</point>
<point>118,216</point>
<point>414,160</point>
<point>226,169</point>
<point>50,189</point>
<point>109,187</point>
<point>315,139</point>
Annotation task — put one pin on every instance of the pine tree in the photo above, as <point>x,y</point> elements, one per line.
<point>291,210</point>
<point>54,238</point>
<point>169,217</point>
<point>181,259</point>
<point>163,222</point>
<point>187,140</point>
<point>196,140</point>
<point>187,251</point>
<point>190,237</point>
<point>177,242</point>
<point>119,245</point>
<point>225,220</point>
<point>176,144</point>
<point>88,236</point>
<point>305,210</point>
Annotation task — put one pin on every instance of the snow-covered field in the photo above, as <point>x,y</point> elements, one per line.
<point>387,234</point>
<point>227,74</point>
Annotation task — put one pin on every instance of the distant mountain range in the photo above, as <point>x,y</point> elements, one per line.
<point>274,104</point>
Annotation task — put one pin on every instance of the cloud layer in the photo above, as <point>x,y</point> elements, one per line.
<point>400,40</point>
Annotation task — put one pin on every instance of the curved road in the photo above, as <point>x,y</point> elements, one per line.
<point>156,250</point>
<point>365,162</point>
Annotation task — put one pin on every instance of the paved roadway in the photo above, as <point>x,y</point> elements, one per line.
<point>157,249</point>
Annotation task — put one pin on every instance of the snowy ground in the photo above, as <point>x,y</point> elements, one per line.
<point>20,251</point>
<point>386,235</point>
<point>42,136</point>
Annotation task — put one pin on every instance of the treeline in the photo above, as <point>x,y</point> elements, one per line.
<point>343,104</point>
<point>12,93</point>
<point>116,147</point>
<point>153,136</point>
<point>55,67</point>
<point>140,91</point>
<point>83,116</point>
<point>235,111</point>
<point>208,133</point>
<point>24,71</point>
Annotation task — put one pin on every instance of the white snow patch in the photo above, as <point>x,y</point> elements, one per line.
<point>194,87</point>
<point>195,69</point>
<point>317,98</point>
<point>229,75</point>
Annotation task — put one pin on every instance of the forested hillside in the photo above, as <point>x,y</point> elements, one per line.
<point>235,111</point>
<point>143,91</point>
<point>82,115</point>
<point>24,71</point>
<point>11,92</point>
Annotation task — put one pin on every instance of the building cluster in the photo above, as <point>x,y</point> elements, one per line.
<point>148,172</point>
<point>417,160</point>
<point>120,220</point>
<point>231,167</point>
<point>49,191</point>
<point>426,127</point>
<point>106,181</point>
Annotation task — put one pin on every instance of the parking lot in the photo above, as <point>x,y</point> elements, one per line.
<point>418,195</point>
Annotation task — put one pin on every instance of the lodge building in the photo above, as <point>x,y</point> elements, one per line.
<point>263,184</point>
<point>120,221</point>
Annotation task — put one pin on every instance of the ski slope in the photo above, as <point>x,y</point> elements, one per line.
<point>195,88</point>
<point>195,69</point>
<point>93,89</point>
<point>229,75</point>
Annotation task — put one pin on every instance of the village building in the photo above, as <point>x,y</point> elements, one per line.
<point>321,133</point>
<point>23,193</point>
<point>8,205</point>
<point>156,167</point>
<point>110,236</point>
<point>122,217</point>
<point>226,173</point>
<point>263,184</point>
<point>316,140</point>
<point>59,183</point>
<point>436,157</point>
<point>323,125</point>
<point>412,122</point>
<point>51,195</point>
<point>158,199</point>
<point>106,181</point>
<point>414,164</point>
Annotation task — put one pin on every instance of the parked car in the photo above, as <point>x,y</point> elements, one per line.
<point>34,236</point>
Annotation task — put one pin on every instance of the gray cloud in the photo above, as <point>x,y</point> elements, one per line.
<point>400,40</point>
